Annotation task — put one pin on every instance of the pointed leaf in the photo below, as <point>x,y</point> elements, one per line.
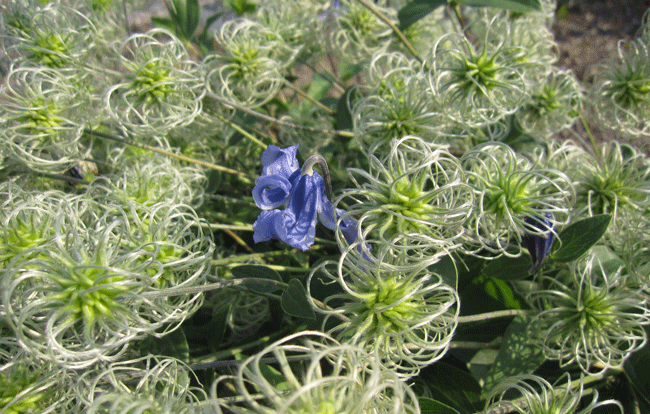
<point>173,344</point>
<point>446,269</point>
<point>164,23</point>
<point>192,17</point>
<point>611,261</point>
<point>520,6</point>
<point>217,327</point>
<point>257,272</point>
<point>210,20</point>
<point>578,237</point>
<point>240,6</point>
<point>319,86</point>
<point>502,292</point>
<point>429,406</point>
<point>453,387</point>
<point>416,10</point>
<point>637,370</point>
<point>481,363</point>
<point>274,377</point>
<point>508,268</point>
<point>343,115</point>
<point>294,301</point>
<point>348,70</point>
<point>519,354</point>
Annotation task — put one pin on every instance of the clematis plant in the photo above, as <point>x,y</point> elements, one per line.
<point>303,192</point>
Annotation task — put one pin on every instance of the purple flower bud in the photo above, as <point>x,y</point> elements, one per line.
<point>539,239</point>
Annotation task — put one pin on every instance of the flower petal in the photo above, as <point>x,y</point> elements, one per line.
<point>269,226</point>
<point>301,212</point>
<point>280,161</point>
<point>348,227</point>
<point>271,191</point>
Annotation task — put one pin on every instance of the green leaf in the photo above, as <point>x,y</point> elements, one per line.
<point>240,6</point>
<point>210,20</point>
<point>348,70</point>
<point>562,12</point>
<point>173,344</point>
<point>447,270</point>
<point>257,272</point>
<point>610,261</point>
<point>294,301</point>
<point>520,6</point>
<point>416,10</point>
<point>192,17</point>
<point>508,268</point>
<point>343,115</point>
<point>481,362</point>
<point>502,292</point>
<point>637,370</point>
<point>186,14</point>
<point>164,23</point>
<point>274,377</point>
<point>318,87</point>
<point>429,406</point>
<point>453,387</point>
<point>519,354</point>
<point>204,40</point>
<point>217,327</point>
<point>578,237</point>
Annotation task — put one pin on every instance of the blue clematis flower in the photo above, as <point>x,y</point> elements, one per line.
<point>282,182</point>
<point>539,245</point>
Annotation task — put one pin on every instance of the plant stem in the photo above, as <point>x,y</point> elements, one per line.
<point>243,177</point>
<point>309,98</point>
<point>215,226</point>
<point>590,135</point>
<point>237,362</point>
<point>491,315</point>
<point>241,131</point>
<point>456,8</point>
<point>212,286</point>
<point>244,257</point>
<point>398,32</point>
<point>277,121</point>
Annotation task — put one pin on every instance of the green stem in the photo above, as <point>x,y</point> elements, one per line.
<point>215,226</point>
<point>242,131</point>
<point>68,179</point>
<point>590,135</point>
<point>237,362</point>
<point>398,32</point>
<point>281,268</point>
<point>333,78</point>
<point>491,315</point>
<point>231,199</point>
<point>456,8</point>
<point>275,120</point>
<point>309,98</point>
<point>217,359</point>
<point>471,345</point>
<point>243,177</point>
<point>235,283</point>
<point>245,257</point>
